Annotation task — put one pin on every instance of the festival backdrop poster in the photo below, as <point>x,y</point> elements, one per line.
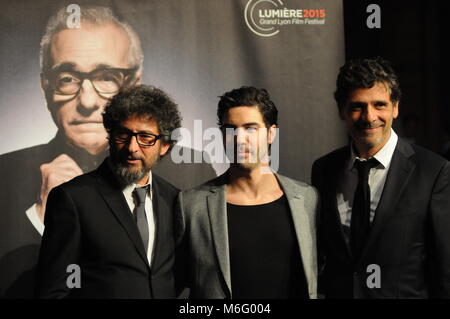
<point>195,50</point>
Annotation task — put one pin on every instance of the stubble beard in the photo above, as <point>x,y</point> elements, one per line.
<point>369,140</point>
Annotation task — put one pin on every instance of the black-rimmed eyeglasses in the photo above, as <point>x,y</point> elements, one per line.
<point>106,81</point>
<point>143,139</point>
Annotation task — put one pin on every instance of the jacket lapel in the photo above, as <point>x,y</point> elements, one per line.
<point>304,229</point>
<point>113,197</point>
<point>334,176</point>
<point>400,171</point>
<point>161,210</point>
<point>217,210</point>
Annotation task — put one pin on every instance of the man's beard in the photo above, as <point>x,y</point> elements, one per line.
<point>125,173</point>
<point>127,176</point>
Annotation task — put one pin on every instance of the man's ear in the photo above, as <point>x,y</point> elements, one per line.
<point>341,111</point>
<point>164,149</point>
<point>44,83</point>
<point>271,134</point>
<point>395,110</point>
<point>137,77</point>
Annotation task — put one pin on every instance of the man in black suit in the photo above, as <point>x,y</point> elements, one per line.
<point>115,224</point>
<point>385,204</point>
<point>102,56</point>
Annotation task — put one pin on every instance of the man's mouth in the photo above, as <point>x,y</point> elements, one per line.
<point>87,127</point>
<point>368,128</point>
<point>243,153</point>
<point>81,122</point>
<point>85,122</point>
<point>133,160</point>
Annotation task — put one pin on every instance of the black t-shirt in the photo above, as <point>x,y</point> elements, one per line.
<point>264,253</point>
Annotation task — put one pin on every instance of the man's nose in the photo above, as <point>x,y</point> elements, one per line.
<point>89,99</point>
<point>241,136</point>
<point>369,113</point>
<point>133,145</point>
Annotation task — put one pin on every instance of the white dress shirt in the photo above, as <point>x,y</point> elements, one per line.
<point>34,219</point>
<point>377,178</point>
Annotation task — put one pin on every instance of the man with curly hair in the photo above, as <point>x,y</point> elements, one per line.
<point>385,203</point>
<point>113,226</point>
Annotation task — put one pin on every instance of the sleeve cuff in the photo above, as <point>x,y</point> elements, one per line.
<point>34,219</point>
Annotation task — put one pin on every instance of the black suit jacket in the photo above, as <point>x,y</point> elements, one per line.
<point>19,190</point>
<point>88,223</point>
<point>410,235</point>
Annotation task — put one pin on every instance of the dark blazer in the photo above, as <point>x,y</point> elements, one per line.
<point>19,190</point>
<point>409,237</point>
<point>89,223</point>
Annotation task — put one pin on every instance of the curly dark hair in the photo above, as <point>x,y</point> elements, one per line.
<point>364,74</point>
<point>146,101</point>
<point>248,96</point>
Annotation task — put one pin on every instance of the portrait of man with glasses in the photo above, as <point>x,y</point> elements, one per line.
<point>81,69</point>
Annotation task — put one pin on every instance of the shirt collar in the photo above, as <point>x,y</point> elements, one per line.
<point>129,189</point>
<point>384,155</point>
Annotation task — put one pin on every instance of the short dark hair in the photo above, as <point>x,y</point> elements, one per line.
<point>248,96</point>
<point>364,74</point>
<point>143,101</point>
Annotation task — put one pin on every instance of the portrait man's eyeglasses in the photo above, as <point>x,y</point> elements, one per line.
<point>143,139</point>
<point>106,81</point>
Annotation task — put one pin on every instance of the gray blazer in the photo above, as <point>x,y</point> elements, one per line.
<point>202,236</point>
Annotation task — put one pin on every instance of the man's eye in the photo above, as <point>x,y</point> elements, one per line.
<point>146,138</point>
<point>66,78</point>
<point>108,77</point>
<point>251,129</point>
<point>122,135</point>
<point>355,107</point>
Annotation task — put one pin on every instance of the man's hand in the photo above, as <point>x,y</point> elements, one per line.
<point>58,171</point>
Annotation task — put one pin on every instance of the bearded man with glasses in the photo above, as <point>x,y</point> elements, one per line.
<point>116,223</point>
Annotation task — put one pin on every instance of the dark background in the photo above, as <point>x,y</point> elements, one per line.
<point>413,36</point>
